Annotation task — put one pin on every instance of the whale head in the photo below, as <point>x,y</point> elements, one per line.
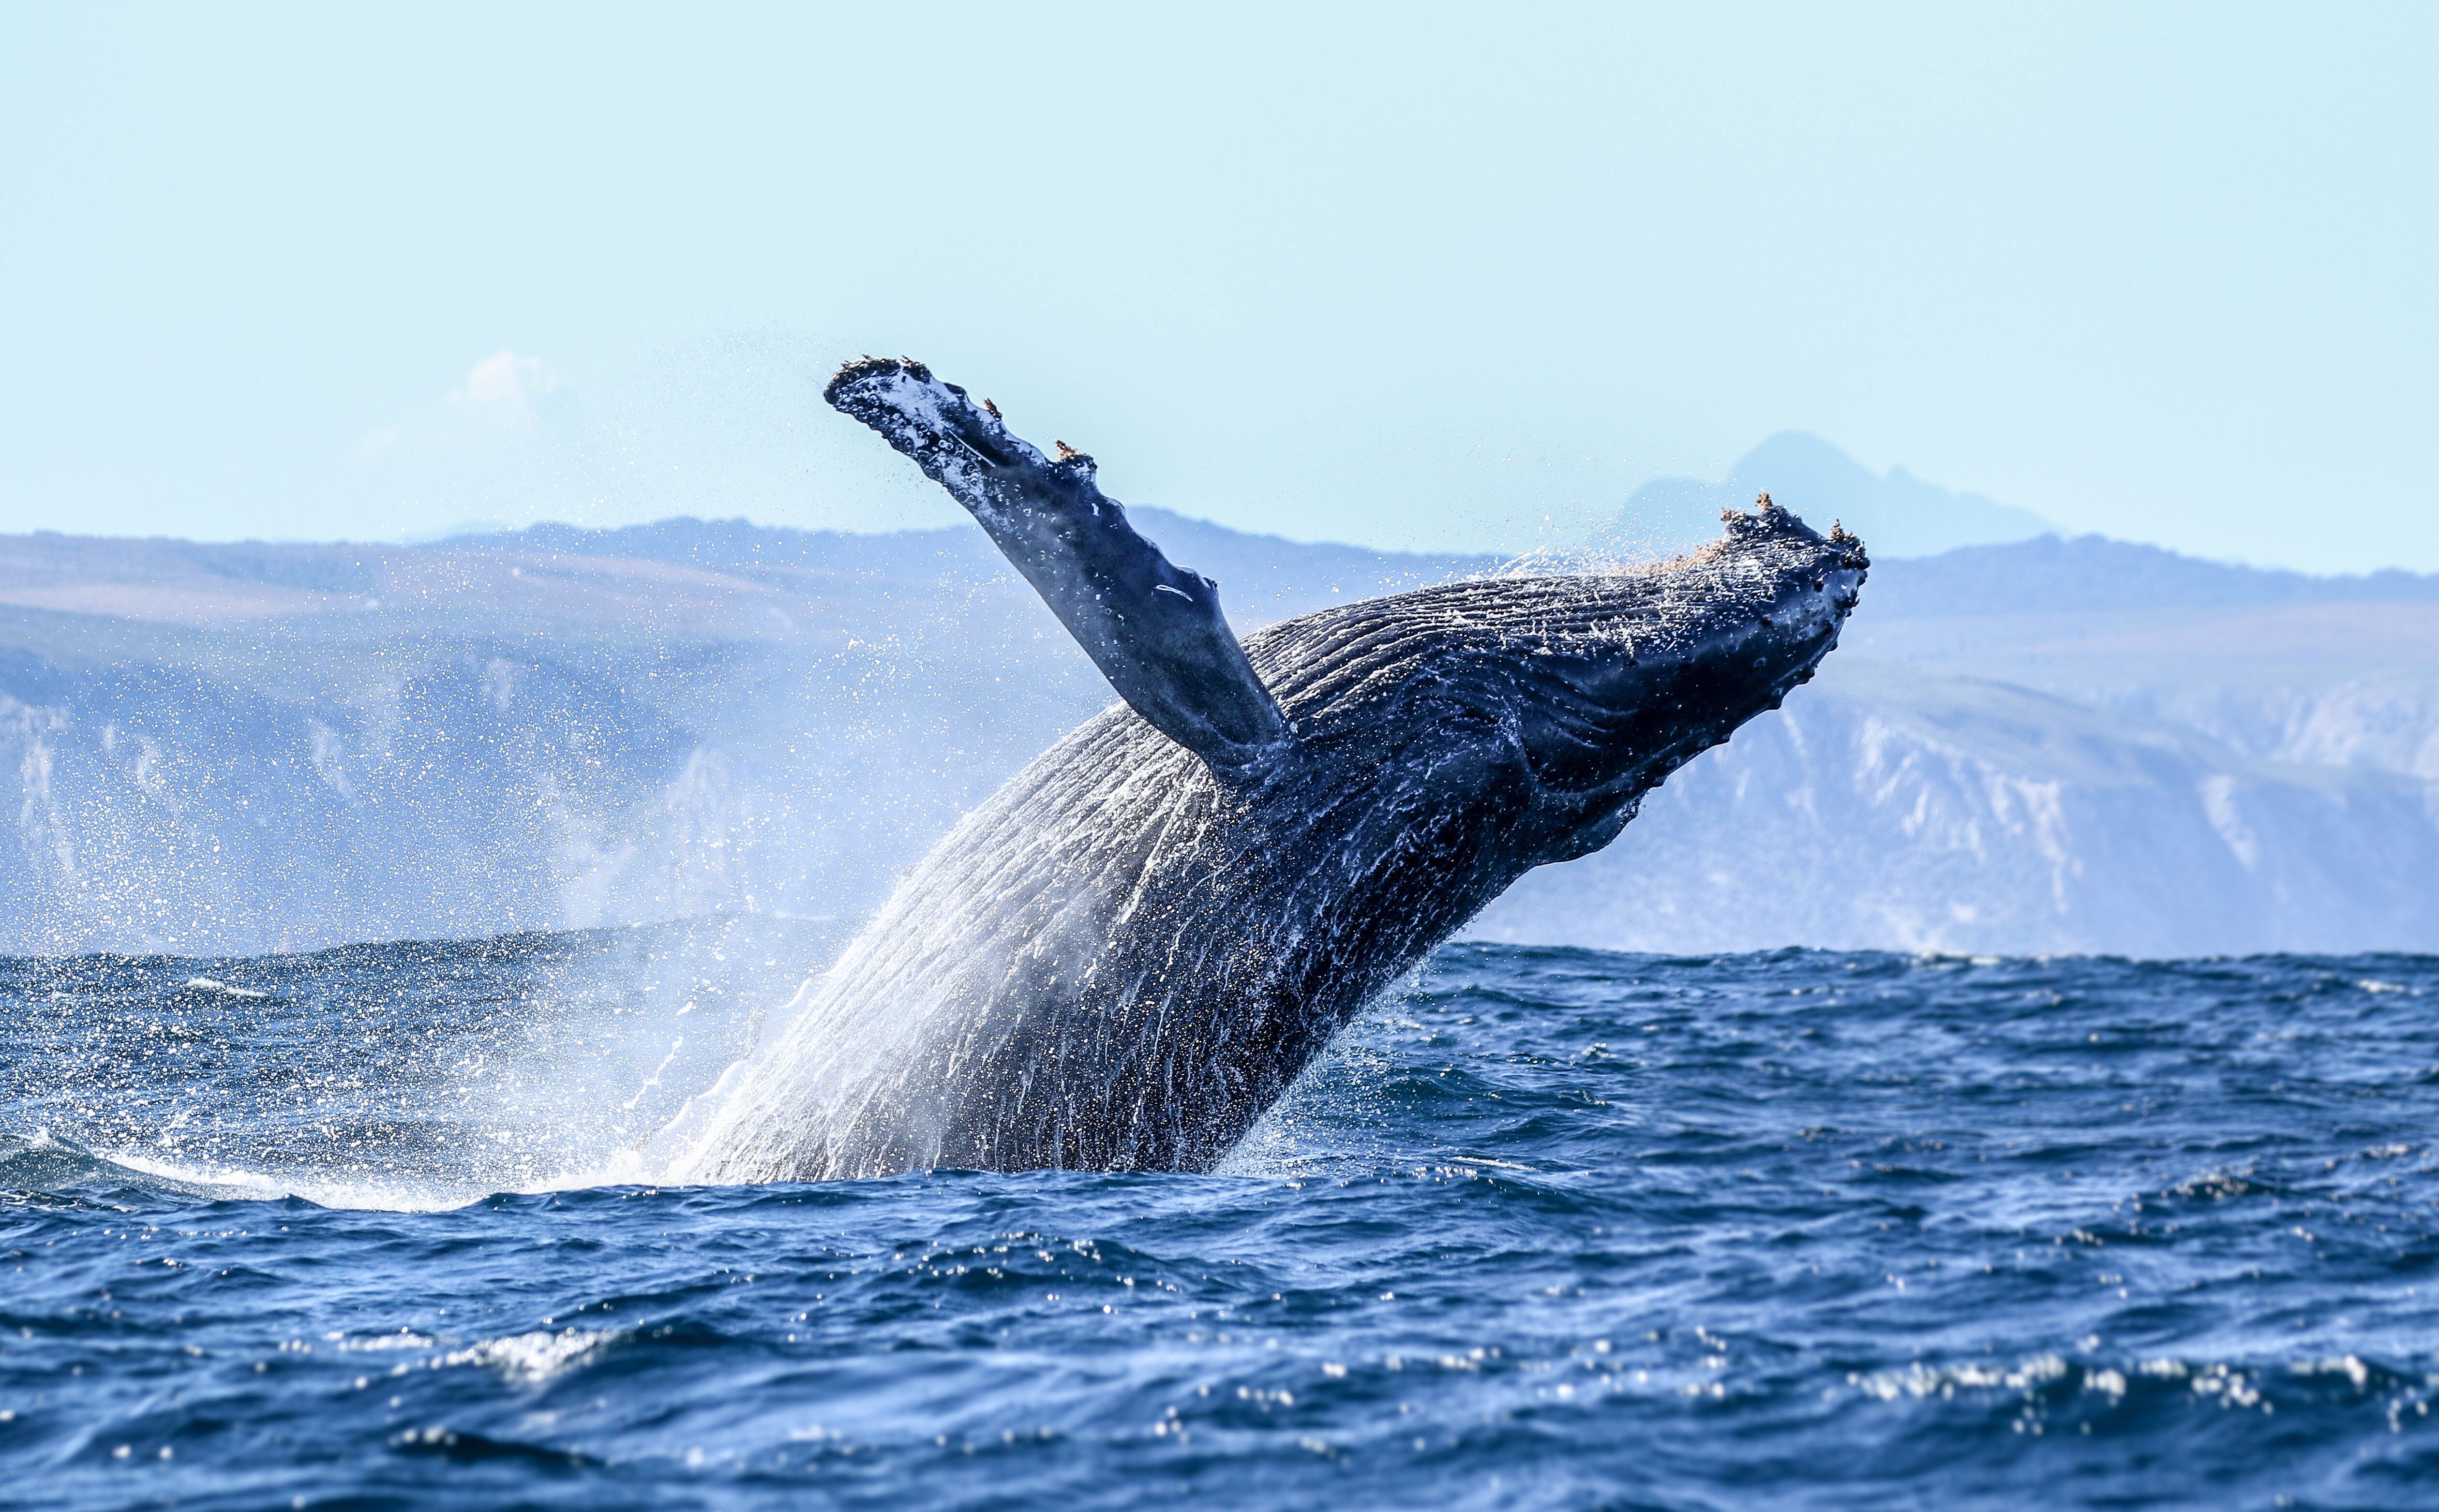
<point>1568,697</point>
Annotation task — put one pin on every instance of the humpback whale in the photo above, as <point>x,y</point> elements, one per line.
<point>1125,955</point>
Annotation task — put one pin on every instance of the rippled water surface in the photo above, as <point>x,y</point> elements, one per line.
<point>1553,1228</point>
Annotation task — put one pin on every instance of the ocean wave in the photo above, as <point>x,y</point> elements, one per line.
<point>1793,1227</point>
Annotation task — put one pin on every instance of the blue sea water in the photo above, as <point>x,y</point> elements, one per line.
<point>1548,1227</point>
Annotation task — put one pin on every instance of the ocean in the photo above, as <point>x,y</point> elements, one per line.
<point>1546,1228</point>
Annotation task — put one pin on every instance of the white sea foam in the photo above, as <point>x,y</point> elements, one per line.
<point>240,1183</point>
<point>207,984</point>
<point>529,1358</point>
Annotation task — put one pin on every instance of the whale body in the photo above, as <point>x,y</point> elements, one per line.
<point>1126,953</point>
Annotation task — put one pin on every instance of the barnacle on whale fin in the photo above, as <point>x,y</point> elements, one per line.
<point>863,366</point>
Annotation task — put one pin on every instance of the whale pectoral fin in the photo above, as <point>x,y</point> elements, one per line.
<point>1152,628</point>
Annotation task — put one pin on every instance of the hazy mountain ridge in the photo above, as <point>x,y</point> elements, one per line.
<point>1899,514</point>
<point>1261,578</point>
<point>2052,745</point>
<point>2087,574</point>
<point>1892,808</point>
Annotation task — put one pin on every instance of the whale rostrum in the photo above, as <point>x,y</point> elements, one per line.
<point>1126,953</point>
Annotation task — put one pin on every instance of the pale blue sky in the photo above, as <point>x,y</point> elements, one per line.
<point>1408,275</point>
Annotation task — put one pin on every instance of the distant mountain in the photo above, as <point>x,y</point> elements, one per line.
<point>2093,573</point>
<point>1890,806</point>
<point>2045,745</point>
<point>1898,515</point>
<point>1261,578</point>
<point>740,546</point>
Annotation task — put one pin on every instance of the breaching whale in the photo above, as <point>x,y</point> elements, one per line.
<point>1121,958</point>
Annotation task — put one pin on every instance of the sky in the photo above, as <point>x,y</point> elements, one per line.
<point>1414,276</point>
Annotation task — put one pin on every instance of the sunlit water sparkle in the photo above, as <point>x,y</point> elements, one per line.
<point>1550,1228</point>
